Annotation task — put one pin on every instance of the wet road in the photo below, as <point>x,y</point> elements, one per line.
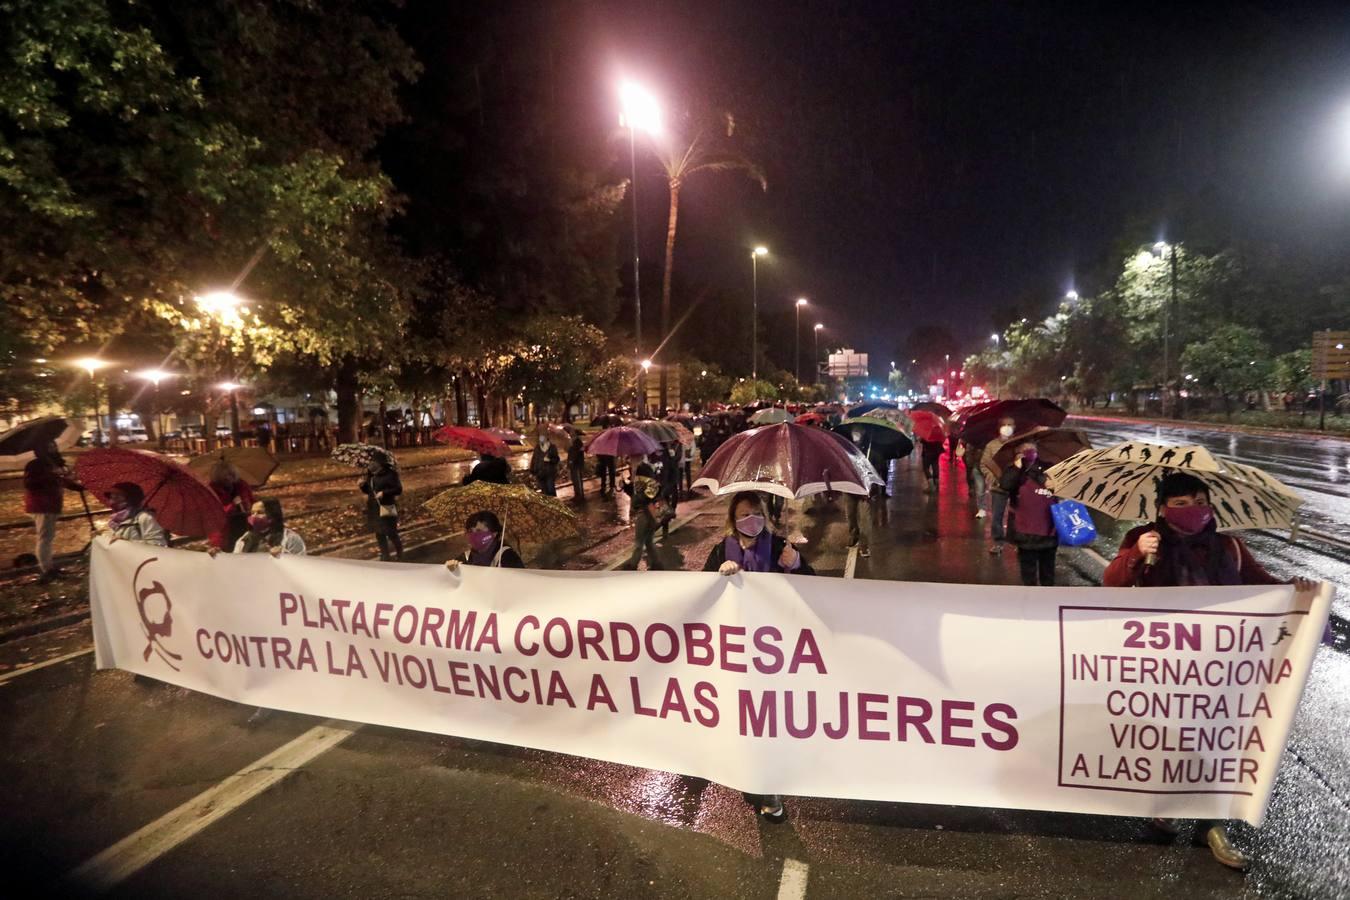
<point>92,757</point>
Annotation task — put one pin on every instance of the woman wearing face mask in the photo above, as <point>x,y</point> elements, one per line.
<point>749,546</point>
<point>1032,528</point>
<point>1183,547</point>
<point>486,548</point>
<point>267,532</point>
<point>382,487</point>
<point>131,521</point>
<point>544,465</point>
<point>998,497</point>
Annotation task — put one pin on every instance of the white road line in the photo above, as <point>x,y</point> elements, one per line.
<point>792,886</point>
<point>851,565</point>
<point>44,664</point>
<point>137,850</point>
<point>1095,556</point>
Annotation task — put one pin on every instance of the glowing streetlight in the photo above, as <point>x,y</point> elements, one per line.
<point>221,304</point>
<point>1071,296</point>
<point>797,341</point>
<point>92,364</point>
<point>1160,249</point>
<point>646,365</point>
<point>639,111</point>
<point>760,250</point>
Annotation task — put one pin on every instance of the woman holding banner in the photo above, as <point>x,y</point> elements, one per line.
<point>1184,548</point>
<point>749,546</point>
<point>486,548</point>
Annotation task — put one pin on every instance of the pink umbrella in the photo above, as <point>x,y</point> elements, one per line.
<point>621,441</point>
<point>789,460</point>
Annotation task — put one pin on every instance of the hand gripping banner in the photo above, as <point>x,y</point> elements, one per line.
<point>1140,702</point>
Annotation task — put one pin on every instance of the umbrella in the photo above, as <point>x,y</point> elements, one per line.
<point>528,515</point>
<point>661,432</point>
<point>1054,445</point>
<point>557,435</point>
<point>475,439</point>
<point>864,409</point>
<point>771,415</point>
<point>928,426</point>
<point>813,418</point>
<point>1122,481</point>
<point>361,455</point>
<point>607,420</point>
<point>789,460</point>
<point>622,441</point>
<point>687,438</point>
<point>932,406</point>
<point>882,435</point>
<point>30,435</point>
<point>506,435</point>
<point>181,503</point>
<point>254,464</point>
<point>684,418</point>
<point>981,427</point>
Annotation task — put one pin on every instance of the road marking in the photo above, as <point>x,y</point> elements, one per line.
<point>851,565</point>
<point>1095,556</point>
<point>137,850</point>
<point>792,886</point>
<point>44,664</point>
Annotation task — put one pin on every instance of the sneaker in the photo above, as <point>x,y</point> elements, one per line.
<point>980,514</point>
<point>1223,849</point>
<point>775,814</point>
<point>864,552</point>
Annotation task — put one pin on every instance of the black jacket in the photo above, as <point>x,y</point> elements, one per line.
<point>492,469</point>
<point>510,559</point>
<point>382,487</point>
<point>544,463</point>
<point>718,555</point>
<point>648,488</point>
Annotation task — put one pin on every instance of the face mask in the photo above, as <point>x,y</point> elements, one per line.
<point>260,523</point>
<point>750,526</point>
<point>117,504</point>
<point>481,540</point>
<point>1006,431</point>
<point>1188,519</point>
<point>857,435</point>
<point>1029,457</point>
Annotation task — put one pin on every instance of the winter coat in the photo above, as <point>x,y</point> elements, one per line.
<point>1030,526</point>
<point>544,462</point>
<point>291,544</point>
<point>383,487</point>
<point>492,469</point>
<point>141,527</point>
<point>1240,567</point>
<point>44,487</point>
<point>718,555</point>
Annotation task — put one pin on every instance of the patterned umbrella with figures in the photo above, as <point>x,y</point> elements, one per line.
<point>1122,481</point>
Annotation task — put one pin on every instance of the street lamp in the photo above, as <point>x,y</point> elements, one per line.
<point>759,251</point>
<point>640,110</point>
<point>1071,296</point>
<point>815,358</point>
<point>92,364</point>
<point>1160,248</point>
<point>797,339</point>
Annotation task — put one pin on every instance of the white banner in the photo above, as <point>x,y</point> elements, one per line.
<point>1140,702</point>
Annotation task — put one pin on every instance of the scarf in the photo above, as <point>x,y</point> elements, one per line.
<point>486,557</point>
<point>256,541</point>
<point>1203,558</point>
<point>758,558</point>
<point>121,517</point>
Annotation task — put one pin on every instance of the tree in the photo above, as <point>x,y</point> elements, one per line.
<point>703,383</point>
<point>1292,373</point>
<point>558,359</point>
<point>704,146</point>
<point>1233,359</point>
<point>895,380</point>
<point>750,390</point>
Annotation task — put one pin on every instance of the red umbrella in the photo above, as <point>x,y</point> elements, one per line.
<point>475,439</point>
<point>621,441</point>
<point>788,460</point>
<point>181,503</point>
<point>812,418</point>
<point>928,426</point>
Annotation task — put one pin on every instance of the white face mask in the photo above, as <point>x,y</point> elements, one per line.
<point>1006,431</point>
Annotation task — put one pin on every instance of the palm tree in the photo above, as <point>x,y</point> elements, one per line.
<point>680,160</point>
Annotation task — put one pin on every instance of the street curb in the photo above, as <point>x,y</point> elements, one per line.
<point>40,626</point>
<point>1257,430</point>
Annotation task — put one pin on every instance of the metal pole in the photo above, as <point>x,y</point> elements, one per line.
<point>637,281</point>
<point>1167,335</point>
<point>815,358</point>
<point>754,317</point>
<point>797,348</point>
<point>1322,394</point>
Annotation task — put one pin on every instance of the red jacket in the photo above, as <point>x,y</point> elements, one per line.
<point>1125,570</point>
<point>44,487</point>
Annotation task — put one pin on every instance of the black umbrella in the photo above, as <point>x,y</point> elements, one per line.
<point>933,407</point>
<point>863,409</point>
<point>30,436</point>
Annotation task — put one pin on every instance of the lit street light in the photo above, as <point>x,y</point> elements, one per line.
<point>754,309</point>
<point>1159,249</point>
<point>91,365</point>
<point>1071,296</point>
<point>797,339</point>
<point>640,110</point>
<point>815,358</point>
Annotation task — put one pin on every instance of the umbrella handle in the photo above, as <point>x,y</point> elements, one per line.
<point>84,498</point>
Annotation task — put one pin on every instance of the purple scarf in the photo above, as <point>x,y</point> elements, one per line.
<point>755,559</point>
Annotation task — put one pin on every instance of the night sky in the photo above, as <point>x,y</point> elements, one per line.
<point>935,163</point>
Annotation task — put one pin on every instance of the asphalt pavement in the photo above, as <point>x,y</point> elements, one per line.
<point>323,809</point>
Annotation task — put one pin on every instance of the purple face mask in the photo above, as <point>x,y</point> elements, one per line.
<point>750,526</point>
<point>481,540</point>
<point>1188,519</point>
<point>1029,457</point>
<point>260,523</point>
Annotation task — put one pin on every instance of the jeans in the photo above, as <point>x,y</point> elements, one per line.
<point>930,467</point>
<point>547,485</point>
<point>975,481</point>
<point>386,535</point>
<point>1034,563</point>
<point>644,538</point>
<point>45,526</point>
<point>998,512</point>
